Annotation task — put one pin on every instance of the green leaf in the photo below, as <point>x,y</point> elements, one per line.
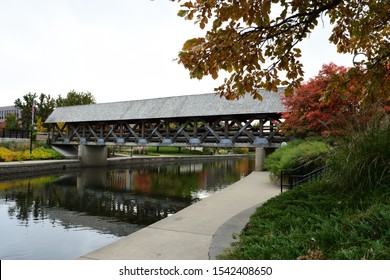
<point>182,13</point>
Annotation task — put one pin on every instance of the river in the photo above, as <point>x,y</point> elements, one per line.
<point>66,215</point>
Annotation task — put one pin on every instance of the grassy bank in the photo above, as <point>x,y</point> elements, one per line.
<point>314,221</point>
<point>344,215</point>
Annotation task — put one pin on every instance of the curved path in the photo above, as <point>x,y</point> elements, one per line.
<point>198,232</point>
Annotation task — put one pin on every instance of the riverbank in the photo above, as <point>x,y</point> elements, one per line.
<point>10,170</point>
<point>198,232</point>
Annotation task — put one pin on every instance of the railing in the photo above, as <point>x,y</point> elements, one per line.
<point>299,176</point>
<point>14,133</point>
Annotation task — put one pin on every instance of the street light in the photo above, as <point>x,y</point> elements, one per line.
<point>32,124</point>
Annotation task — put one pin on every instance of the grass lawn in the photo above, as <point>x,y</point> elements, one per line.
<point>316,221</point>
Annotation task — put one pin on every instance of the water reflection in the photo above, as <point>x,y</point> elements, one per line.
<point>116,201</point>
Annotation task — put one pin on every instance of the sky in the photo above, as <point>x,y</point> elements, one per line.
<point>116,49</point>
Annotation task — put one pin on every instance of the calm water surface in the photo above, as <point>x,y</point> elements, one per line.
<point>66,215</point>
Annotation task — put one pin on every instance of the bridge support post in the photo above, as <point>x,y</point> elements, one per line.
<point>92,155</point>
<point>259,159</point>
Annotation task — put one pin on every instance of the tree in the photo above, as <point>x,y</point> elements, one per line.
<point>26,105</point>
<point>11,122</point>
<point>76,98</point>
<point>255,47</point>
<point>313,110</point>
<point>43,107</point>
<point>45,104</point>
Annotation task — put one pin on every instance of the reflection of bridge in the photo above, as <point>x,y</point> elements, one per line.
<point>204,120</point>
<point>107,200</point>
<point>72,201</point>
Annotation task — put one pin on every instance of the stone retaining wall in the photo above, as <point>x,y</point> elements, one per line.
<point>166,159</point>
<point>24,169</point>
<point>9,170</point>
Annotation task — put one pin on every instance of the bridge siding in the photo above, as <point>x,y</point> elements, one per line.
<point>196,120</point>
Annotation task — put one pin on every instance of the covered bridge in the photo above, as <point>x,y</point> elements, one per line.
<point>204,120</point>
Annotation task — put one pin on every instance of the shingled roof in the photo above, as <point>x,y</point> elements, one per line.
<point>170,107</point>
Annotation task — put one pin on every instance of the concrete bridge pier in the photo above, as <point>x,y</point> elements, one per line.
<point>92,155</point>
<point>261,154</point>
<point>259,159</point>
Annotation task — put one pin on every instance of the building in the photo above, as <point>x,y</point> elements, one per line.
<point>8,110</point>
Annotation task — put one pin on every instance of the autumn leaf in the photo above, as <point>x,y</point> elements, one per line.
<point>252,36</point>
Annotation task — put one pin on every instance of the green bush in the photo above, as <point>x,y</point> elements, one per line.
<point>294,154</point>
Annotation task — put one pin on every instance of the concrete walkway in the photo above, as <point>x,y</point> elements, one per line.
<point>198,232</point>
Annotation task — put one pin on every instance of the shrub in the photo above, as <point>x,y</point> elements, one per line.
<point>363,161</point>
<point>37,154</point>
<point>241,150</point>
<point>7,155</point>
<point>294,154</point>
<point>16,146</point>
<point>43,153</point>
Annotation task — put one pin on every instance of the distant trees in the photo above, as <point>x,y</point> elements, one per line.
<point>11,122</point>
<point>43,105</point>
<point>76,98</point>
<point>25,105</point>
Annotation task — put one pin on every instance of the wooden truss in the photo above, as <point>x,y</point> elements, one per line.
<point>225,131</point>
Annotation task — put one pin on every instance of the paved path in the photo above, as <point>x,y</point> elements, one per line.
<point>198,232</point>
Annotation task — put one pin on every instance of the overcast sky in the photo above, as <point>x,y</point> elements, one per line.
<point>116,49</point>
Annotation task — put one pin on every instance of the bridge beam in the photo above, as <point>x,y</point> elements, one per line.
<point>92,155</point>
<point>255,130</point>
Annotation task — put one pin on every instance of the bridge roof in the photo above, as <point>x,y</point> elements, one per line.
<point>170,107</point>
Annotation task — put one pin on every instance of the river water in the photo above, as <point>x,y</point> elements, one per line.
<point>66,215</point>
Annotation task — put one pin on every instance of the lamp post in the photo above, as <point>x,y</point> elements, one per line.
<point>32,125</point>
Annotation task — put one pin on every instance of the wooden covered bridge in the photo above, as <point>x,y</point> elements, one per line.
<point>204,120</point>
